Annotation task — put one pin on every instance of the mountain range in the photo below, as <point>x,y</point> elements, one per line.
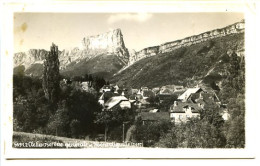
<point>188,61</point>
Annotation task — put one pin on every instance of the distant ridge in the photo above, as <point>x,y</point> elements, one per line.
<point>235,28</point>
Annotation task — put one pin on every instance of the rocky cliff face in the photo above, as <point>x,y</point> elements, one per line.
<point>30,57</point>
<point>108,43</point>
<point>238,27</point>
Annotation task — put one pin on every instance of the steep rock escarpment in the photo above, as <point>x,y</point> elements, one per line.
<point>235,28</point>
<point>109,43</point>
<point>30,57</point>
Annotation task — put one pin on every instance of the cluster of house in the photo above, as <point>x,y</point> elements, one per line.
<point>113,97</point>
<point>188,104</point>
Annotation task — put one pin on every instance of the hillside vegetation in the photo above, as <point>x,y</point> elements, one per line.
<point>184,66</point>
<point>103,66</point>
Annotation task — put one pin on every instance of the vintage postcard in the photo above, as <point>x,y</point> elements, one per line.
<point>127,80</point>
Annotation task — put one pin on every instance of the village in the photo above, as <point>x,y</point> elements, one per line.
<point>172,103</point>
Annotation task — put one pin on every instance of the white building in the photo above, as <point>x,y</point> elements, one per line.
<point>181,112</point>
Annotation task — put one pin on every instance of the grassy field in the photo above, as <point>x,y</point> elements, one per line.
<point>31,140</point>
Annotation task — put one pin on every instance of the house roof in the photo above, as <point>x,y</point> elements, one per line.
<point>181,105</point>
<point>148,93</point>
<point>178,87</point>
<point>102,96</point>
<point>178,108</point>
<point>167,91</point>
<point>134,91</point>
<point>144,88</point>
<point>206,97</point>
<point>188,92</point>
<point>156,90</point>
<point>106,87</point>
<point>158,116</point>
<point>114,101</point>
<point>178,93</point>
<point>165,96</point>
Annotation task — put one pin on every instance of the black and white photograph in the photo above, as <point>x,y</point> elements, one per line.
<point>128,80</point>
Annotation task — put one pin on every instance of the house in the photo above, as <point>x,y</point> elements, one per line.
<point>156,90</point>
<point>85,85</point>
<point>101,99</point>
<point>109,88</point>
<point>116,87</point>
<point>154,110</point>
<point>139,95</point>
<point>181,112</point>
<point>105,88</point>
<point>188,92</point>
<point>178,93</point>
<point>117,101</point>
<point>225,115</point>
<point>171,89</point>
<point>144,88</point>
<point>106,96</point>
<point>148,93</point>
<point>148,117</point>
<point>166,91</point>
<point>134,91</point>
<point>224,112</point>
<point>178,88</point>
<point>165,97</point>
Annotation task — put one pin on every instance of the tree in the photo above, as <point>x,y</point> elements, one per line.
<point>168,140</point>
<point>193,134</point>
<point>150,133</point>
<point>82,107</point>
<point>75,128</point>
<point>234,128</point>
<point>115,118</point>
<point>51,76</point>
<point>59,122</point>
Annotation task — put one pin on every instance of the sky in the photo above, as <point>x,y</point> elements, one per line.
<point>140,30</point>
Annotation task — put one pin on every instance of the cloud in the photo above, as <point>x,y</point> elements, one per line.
<point>139,17</point>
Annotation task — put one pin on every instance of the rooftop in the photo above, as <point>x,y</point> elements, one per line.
<point>114,101</point>
<point>180,106</point>
<point>188,92</point>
